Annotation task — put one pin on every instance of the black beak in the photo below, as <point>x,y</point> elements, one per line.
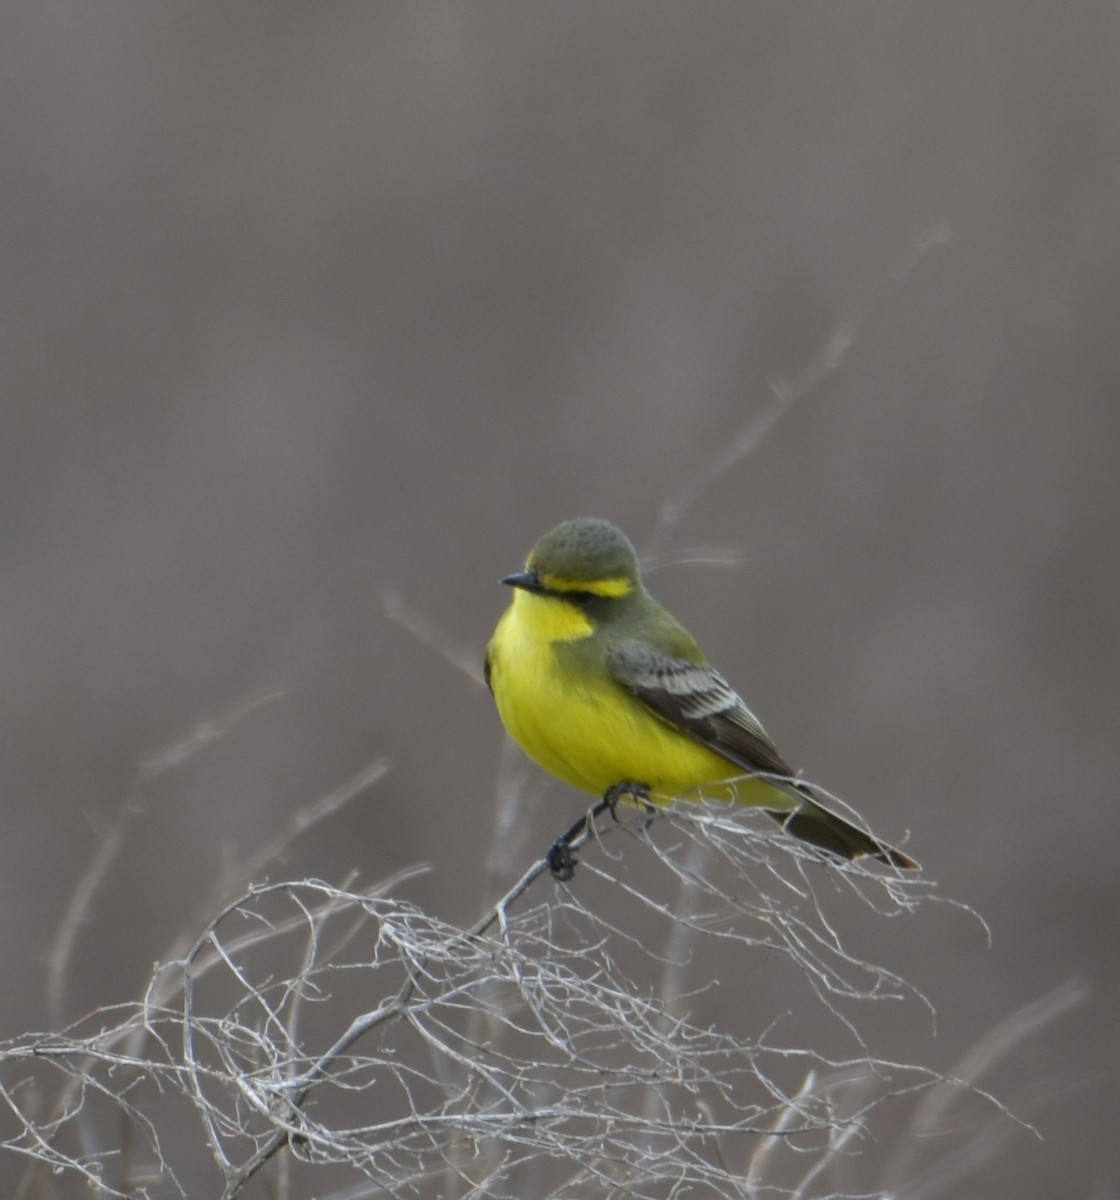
<point>527,581</point>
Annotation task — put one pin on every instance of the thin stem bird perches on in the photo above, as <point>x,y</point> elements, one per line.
<point>538,1050</point>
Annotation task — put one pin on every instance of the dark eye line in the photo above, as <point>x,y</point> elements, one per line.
<point>576,597</point>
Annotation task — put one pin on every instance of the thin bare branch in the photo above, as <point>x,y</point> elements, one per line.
<point>531,1052</point>
<point>785,392</point>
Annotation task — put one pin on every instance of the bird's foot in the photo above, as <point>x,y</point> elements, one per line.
<point>561,860</point>
<point>617,792</point>
<point>561,857</point>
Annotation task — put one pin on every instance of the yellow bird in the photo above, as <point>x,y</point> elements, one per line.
<point>605,689</point>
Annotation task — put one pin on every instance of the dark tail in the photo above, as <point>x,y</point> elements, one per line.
<point>819,827</point>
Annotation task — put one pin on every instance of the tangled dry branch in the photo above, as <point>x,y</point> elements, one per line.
<point>562,1046</point>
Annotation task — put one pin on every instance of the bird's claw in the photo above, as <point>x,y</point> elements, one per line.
<point>613,796</point>
<point>561,860</point>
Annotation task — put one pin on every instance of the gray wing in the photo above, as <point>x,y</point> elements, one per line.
<point>697,699</point>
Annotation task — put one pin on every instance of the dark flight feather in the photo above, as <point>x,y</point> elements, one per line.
<point>695,698</point>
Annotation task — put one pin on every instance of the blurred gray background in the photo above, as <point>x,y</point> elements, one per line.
<point>307,305</point>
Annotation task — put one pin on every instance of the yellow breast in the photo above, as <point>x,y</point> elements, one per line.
<point>564,710</point>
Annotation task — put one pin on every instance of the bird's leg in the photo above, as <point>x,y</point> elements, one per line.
<point>561,858</point>
<point>638,792</point>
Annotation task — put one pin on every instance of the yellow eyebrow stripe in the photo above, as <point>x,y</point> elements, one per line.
<point>611,588</point>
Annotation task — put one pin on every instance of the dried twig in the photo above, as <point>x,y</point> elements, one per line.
<point>528,1053</point>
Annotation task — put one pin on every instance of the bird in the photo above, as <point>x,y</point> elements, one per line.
<point>605,689</point>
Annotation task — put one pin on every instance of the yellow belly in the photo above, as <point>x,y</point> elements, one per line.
<point>587,729</point>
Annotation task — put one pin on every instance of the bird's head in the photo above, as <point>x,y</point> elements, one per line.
<point>582,560</point>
